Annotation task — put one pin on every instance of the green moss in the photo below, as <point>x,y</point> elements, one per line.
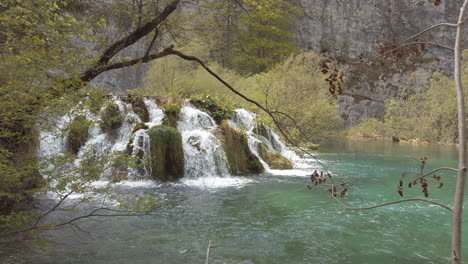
<point>171,112</point>
<point>138,106</point>
<point>138,127</point>
<point>219,107</point>
<point>275,160</point>
<point>77,133</point>
<point>111,117</point>
<point>241,159</point>
<point>167,155</point>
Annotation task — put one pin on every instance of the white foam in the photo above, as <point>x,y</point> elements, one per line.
<point>216,182</point>
<point>301,173</point>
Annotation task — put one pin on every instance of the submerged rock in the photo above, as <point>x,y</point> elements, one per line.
<point>240,157</point>
<point>167,156</point>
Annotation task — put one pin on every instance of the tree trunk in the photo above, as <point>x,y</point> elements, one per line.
<point>456,254</point>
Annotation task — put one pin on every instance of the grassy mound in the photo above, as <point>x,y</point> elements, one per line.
<point>167,155</point>
<point>240,158</point>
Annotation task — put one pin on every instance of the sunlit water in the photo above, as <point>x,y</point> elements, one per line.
<point>276,219</point>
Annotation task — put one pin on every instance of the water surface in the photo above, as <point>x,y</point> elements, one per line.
<point>276,219</point>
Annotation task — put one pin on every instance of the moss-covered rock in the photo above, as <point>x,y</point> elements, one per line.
<point>138,127</point>
<point>220,108</point>
<point>111,117</point>
<point>138,106</point>
<point>77,133</point>
<point>167,155</point>
<point>171,114</point>
<point>274,159</point>
<point>241,159</point>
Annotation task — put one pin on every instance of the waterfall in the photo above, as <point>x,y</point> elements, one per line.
<point>244,120</point>
<point>142,152</point>
<point>141,142</point>
<point>203,152</point>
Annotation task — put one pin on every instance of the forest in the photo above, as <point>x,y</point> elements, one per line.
<point>232,131</point>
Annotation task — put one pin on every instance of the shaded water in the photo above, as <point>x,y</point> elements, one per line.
<point>275,219</point>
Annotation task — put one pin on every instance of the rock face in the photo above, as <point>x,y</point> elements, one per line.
<point>353,32</point>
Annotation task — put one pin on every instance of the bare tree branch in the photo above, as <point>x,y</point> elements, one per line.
<point>156,33</point>
<point>94,72</point>
<point>137,34</point>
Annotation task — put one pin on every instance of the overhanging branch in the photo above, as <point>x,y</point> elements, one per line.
<point>137,34</point>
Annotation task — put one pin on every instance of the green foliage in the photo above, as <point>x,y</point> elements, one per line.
<point>167,155</point>
<point>430,116</point>
<point>138,106</point>
<point>111,117</point>
<point>19,180</point>
<point>241,159</point>
<point>219,107</point>
<point>274,159</point>
<point>171,112</point>
<point>296,87</point>
<point>95,99</point>
<point>64,177</point>
<point>174,108</point>
<point>37,53</point>
<point>77,133</point>
<point>369,128</point>
<point>264,37</point>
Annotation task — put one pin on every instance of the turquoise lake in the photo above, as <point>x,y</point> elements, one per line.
<point>276,219</point>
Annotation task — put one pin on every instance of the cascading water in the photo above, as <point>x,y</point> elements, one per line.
<point>203,152</point>
<point>141,142</point>
<point>245,121</point>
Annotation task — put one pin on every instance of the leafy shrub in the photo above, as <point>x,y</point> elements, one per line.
<point>77,133</point>
<point>111,117</point>
<point>219,107</point>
